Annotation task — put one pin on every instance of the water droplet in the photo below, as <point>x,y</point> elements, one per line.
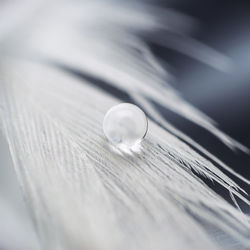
<point>125,124</point>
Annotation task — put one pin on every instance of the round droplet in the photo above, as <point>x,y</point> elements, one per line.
<point>125,124</point>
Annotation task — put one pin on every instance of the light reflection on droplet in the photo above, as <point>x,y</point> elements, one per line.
<point>125,125</point>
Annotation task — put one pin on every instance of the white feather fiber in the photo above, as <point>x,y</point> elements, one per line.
<point>83,193</point>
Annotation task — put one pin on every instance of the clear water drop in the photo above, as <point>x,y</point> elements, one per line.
<point>125,124</point>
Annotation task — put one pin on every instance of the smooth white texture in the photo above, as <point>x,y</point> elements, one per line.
<point>94,198</point>
<point>80,193</point>
<point>125,124</point>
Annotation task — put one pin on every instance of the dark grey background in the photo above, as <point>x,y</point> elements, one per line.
<point>225,97</point>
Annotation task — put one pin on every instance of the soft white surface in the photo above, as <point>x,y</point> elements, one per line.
<point>82,192</point>
<point>16,229</point>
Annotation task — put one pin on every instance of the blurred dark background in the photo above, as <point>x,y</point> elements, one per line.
<point>224,96</point>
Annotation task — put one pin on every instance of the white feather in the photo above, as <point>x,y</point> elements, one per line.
<point>83,193</point>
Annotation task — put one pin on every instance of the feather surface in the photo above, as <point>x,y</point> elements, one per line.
<point>83,193</point>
